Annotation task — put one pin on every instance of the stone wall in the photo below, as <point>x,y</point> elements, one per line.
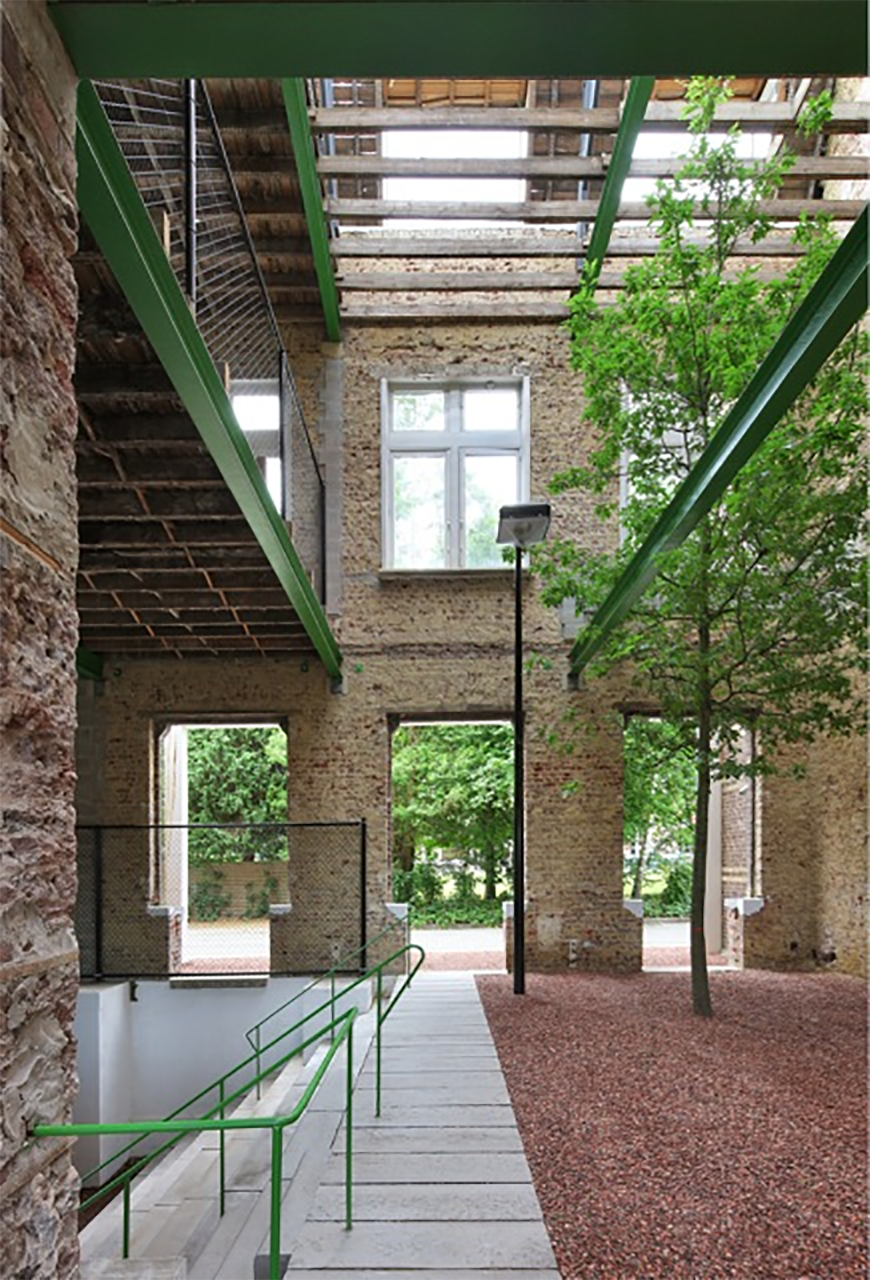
<point>38,546</point>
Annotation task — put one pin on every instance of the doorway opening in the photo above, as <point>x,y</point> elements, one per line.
<point>223,839</point>
<point>452,821</point>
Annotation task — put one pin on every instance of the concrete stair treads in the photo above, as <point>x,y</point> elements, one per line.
<point>174,1207</point>
<point>134,1269</point>
<point>441,1186</point>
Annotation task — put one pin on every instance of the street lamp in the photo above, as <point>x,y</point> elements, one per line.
<point>520,526</point>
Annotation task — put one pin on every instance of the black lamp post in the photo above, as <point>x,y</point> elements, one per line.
<point>520,526</point>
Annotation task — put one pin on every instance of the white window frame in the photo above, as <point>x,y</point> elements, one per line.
<point>453,444</point>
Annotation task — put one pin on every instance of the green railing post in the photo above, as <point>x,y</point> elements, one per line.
<point>275,1215</point>
<point>348,1135</point>
<point>332,1000</point>
<point>125,1243</point>
<point>378,1024</point>
<point>222,1157</point>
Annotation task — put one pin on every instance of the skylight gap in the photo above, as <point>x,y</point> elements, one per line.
<point>454,144</point>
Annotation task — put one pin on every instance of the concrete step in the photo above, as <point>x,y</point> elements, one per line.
<point>134,1269</point>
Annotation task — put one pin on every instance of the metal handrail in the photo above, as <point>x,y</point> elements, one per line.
<point>276,1125</point>
<point>125,1177</point>
<point>340,966</point>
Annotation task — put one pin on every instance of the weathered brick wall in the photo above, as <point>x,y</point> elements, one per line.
<point>814,864</point>
<point>38,959</point>
<point>414,645</point>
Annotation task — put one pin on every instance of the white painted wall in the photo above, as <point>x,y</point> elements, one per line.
<point>103,1030</point>
<point>141,1059</point>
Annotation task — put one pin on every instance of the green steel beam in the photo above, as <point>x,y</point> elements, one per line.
<point>88,665</point>
<point>623,148</point>
<point>114,211</point>
<point>125,39</point>
<point>836,302</point>
<point>309,185</point>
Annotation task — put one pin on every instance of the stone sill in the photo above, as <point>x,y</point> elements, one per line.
<point>499,576</point>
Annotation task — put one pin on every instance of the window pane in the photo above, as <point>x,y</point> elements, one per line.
<point>418,410</point>
<point>490,482</point>
<point>418,513</point>
<point>490,409</point>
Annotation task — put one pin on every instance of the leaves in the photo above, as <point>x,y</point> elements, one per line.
<point>453,790</point>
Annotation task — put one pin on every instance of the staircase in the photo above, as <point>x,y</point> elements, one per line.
<point>176,1231</point>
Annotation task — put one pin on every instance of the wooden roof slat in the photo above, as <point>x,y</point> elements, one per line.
<point>559,210</point>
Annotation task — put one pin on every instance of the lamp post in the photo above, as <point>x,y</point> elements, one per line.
<point>520,526</point>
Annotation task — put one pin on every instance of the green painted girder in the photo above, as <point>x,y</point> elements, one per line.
<point>623,149</point>
<point>836,302</point>
<point>114,211</point>
<point>88,665</point>
<point>126,39</point>
<point>309,185</point>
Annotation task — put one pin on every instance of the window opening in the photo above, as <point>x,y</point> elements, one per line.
<point>220,788</point>
<point>257,406</point>
<point>453,453</point>
<point>452,821</point>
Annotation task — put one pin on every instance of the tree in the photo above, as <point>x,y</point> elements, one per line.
<point>759,617</point>
<point>658,795</point>
<point>453,789</point>
<point>237,776</point>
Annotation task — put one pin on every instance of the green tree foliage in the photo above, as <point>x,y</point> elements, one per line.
<point>759,617</point>
<point>453,790</point>
<point>658,796</point>
<point>237,776</point>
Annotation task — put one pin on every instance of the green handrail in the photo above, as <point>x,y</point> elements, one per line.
<point>124,1178</point>
<point>276,1124</point>
<point>340,966</point>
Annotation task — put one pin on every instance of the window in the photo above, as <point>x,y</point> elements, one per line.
<point>257,406</point>
<point>453,453</point>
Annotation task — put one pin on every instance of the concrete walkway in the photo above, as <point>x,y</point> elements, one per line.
<point>442,1190</point>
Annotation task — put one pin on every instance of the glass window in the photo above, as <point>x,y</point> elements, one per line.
<point>452,455</point>
<point>489,482</point>
<point>419,512</point>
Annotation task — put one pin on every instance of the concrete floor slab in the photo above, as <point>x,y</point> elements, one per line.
<point>469,1167</point>
<point>399,1142</point>
<point>447,1202</point>
<point>456,1246</point>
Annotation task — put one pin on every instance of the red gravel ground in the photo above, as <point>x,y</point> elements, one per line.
<point>667,1147</point>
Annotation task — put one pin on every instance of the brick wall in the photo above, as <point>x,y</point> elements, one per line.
<point>413,646</point>
<point>38,959</point>
<point>814,864</point>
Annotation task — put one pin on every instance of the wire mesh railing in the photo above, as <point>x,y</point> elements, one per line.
<point>169,135</point>
<point>220,899</point>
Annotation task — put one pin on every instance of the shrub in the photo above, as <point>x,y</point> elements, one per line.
<point>207,899</point>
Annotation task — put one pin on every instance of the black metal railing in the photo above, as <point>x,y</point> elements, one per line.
<point>170,138</point>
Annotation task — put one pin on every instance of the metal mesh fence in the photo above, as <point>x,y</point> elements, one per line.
<point>210,899</point>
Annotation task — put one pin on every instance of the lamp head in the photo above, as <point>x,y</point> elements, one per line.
<point>524,524</point>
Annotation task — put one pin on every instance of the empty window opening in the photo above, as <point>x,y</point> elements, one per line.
<point>257,406</point>
<point>452,820</point>
<point>223,839</point>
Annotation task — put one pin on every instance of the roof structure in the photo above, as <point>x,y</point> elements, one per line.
<point>296,222</point>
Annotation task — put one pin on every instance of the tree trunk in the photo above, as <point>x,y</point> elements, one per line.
<point>489,871</point>
<point>637,883</point>
<point>701,1003</point>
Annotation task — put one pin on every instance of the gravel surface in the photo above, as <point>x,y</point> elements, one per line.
<point>667,1147</point>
